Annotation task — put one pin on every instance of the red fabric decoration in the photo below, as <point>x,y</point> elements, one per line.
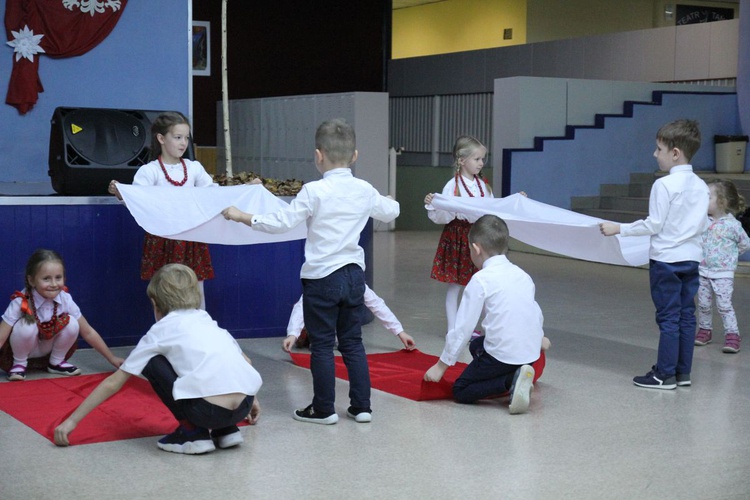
<point>135,411</point>
<point>69,28</point>
<point>401,373</point>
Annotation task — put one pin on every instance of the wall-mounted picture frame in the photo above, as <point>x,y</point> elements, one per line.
<point>201,48</point>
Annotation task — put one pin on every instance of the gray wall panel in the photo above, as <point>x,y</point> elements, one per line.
<point>694,52</point>
<point>693,49</point>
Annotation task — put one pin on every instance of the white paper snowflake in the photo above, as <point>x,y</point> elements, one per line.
<point>25,44</point>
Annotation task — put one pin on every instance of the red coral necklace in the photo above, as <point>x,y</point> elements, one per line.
<point>184,173</point>
<point>479,185</point>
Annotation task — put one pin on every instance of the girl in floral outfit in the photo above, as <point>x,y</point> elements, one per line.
<point>723,242</point>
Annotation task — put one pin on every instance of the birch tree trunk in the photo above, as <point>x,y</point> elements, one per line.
<point>225,91</point>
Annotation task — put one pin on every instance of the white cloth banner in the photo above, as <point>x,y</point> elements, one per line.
<point>552,228</point>
<point>194,214</point>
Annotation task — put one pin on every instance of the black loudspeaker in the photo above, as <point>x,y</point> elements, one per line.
<point>89,147</point>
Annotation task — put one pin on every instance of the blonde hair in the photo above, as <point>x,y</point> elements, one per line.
<point>174,287</point>
<point>464,147</point>
<point>727,196</point>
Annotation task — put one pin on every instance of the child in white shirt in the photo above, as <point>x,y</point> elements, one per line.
<point>512,323</point>
<point>196,368</point>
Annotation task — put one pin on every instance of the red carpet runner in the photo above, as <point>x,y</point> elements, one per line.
<point>401,373</point>
<point>133,412</point>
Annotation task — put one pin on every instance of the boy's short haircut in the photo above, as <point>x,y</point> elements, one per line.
<point>491,233</point>
<point>681,134</point>
<point>337,140</point>
<point>174,287</point>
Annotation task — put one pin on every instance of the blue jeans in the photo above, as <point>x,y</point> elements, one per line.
<point>484,377</point>
<point>197,411</point>
<point>332,308</point>
<point>673,288</point>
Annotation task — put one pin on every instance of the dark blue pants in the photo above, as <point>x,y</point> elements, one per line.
<point>483,377</point>
<point>332,309</point>
<point>673,288</point>
<point>197,411</point>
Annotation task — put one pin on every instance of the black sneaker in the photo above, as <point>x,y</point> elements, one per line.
<point>361,415</point>
<point>311,416</point>
<point>227,437</point>
<point>683,379</point>
<point>655,380</point>
<point>189,442</point>
<point>520,390</point>
<point>64,368</point>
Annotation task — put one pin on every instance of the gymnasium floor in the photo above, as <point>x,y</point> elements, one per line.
<point>589,434</point>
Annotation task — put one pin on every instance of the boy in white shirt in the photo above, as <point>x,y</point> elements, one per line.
<point>196,368</point>
<point>676,220</point>
<point>512,324</point>
<point>336,209</point>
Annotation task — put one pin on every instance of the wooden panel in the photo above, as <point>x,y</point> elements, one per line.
<point>207,157</point>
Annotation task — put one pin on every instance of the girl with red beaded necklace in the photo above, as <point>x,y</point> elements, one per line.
<point>170,139</point>
<point>40,327</point>
<point>452,263</point>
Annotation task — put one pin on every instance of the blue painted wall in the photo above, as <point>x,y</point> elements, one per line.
<point>251,296</point>
<point>142,64</point>
<point>565,168</point>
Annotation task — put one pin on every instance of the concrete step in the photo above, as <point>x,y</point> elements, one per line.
<point>582,202</point>
<point>624,203</point>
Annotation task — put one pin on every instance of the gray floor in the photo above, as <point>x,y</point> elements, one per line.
<point>589,433</point>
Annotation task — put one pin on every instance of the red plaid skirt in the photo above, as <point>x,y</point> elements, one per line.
<point>158,252</point>
<point>452,263</point>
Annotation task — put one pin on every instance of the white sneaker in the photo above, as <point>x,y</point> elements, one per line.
<point>361,416</point>
<point>228,437</point>
<point>520,391</point>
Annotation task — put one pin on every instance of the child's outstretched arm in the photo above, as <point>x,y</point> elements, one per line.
<point>407,340</point>
<point>436,372</point>
<point>103,391</point>
<point>254,415</point>
<point>112,189</point>
<point>95,340</point>
<point>294,327</point>
<point>381,311</point>
<point>237,215</point>
<point>609,228</point>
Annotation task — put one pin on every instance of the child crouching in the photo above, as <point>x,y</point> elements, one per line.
<point>512,324</point>
<point>195,367</point>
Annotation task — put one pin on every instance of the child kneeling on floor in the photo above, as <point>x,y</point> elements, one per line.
<point>512,324</point>
<point>195,367</point>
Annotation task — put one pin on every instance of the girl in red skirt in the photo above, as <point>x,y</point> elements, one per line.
<point>170,135</point>
<point>452,263</point>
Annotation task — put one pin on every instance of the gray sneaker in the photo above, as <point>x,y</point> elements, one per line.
<point>683,379</point>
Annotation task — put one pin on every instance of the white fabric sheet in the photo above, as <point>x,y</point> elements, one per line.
<point>552,228</point>
<point>194,214</point>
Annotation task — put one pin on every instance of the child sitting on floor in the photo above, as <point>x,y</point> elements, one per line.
<point>196,368</point>
<point>512,324</point>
